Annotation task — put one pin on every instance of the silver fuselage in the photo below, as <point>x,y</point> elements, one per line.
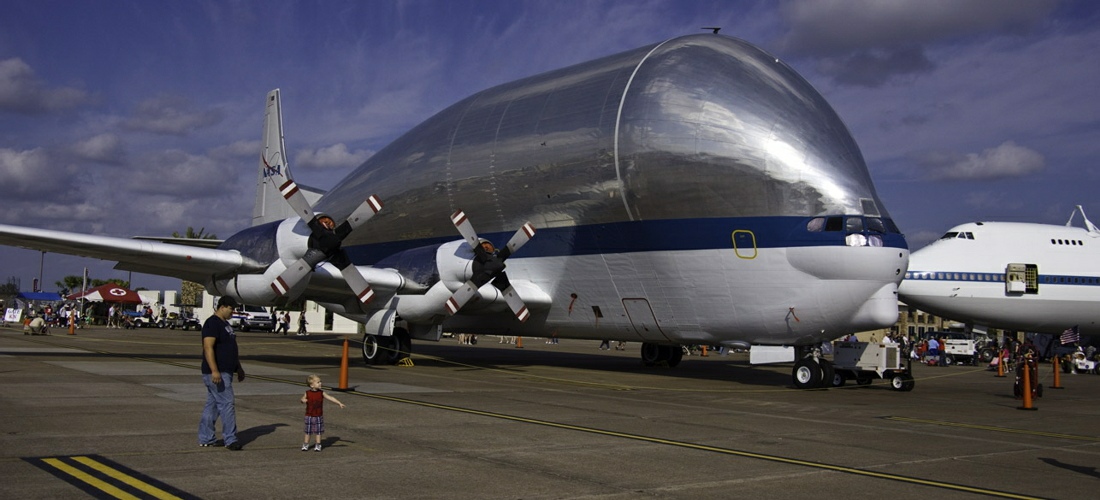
<point>675,189</point>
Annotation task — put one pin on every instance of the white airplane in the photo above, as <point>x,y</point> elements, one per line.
<point>1040,278</point>
<point>693,191</point>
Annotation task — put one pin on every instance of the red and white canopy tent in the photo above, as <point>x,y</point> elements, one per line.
<point>108,293</point>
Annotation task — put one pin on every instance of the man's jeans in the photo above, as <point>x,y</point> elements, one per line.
<point>219,402</point>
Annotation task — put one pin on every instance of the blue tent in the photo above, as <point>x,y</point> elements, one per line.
<point>52,297</point>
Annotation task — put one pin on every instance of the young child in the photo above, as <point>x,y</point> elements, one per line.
<point>314,399</point>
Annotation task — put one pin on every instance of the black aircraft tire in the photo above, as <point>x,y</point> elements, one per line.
<point>651,354</point>
<point>828,374</point>
<point>401,346</point>
<point>374,349</point>
<point>675,355</point>
<point>806,374</point>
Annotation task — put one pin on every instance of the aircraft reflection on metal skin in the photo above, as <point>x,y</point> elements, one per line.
<point>1041,278</point>
<point>694,191</point>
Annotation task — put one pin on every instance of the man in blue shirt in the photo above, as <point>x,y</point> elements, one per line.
<point>219,362</point>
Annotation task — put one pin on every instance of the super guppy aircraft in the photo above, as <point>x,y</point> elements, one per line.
<point>693,191</point>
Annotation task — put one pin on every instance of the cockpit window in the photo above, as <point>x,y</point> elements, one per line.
<point>950,235</point>
<point>853,224</point>
<point>816,225</point>
<point>875,225</point>
<point>834,224</point>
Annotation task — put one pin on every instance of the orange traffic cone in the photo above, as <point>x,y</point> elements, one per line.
<point>1026,382</point>
<point>344,368</point>
<point>1056,363</point>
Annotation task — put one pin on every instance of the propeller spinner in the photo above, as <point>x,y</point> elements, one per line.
<point>489,266</point>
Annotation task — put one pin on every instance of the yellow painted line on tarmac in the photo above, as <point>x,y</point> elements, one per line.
<point>992,428</point>
<point>103,478</point>
<point>89,479</point>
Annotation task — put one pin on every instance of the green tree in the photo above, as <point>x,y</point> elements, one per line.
<point>195,236</point>
<point>75,281</point>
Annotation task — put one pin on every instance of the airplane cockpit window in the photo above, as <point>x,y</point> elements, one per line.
<point>856,227</point>
<point>950,235</point>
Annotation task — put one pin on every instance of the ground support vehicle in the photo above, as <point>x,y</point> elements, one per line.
<point>176,320</point>
<point>861,361</point>
<point>1078,362</point>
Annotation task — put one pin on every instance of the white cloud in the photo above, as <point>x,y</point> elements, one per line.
<point>335,156</point>
<point>171,115</point>
<point>103,148</point>
<point>22,92</point>
<point>1006,160</point>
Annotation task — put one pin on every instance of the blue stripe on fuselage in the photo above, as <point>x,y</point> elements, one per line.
<point>643,236</point>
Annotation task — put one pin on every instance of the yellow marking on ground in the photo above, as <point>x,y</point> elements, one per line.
<point>125,478</point>
<point>88,478</point>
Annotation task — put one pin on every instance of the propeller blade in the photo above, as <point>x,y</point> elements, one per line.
<point>515,303</point>
<point>358,284</point>
<point>461,297</point>
<point>293,274</point>
<point>522,236</point>
<point>296,199</point>
<point>364,212</point>
<point>465,228</point>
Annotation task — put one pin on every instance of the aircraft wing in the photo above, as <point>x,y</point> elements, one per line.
<point>167,259</point>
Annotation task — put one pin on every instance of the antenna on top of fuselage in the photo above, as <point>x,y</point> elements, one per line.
<point>1093,230</point>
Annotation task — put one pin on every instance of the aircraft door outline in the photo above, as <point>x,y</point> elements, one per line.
<point>641,317</point>
<point>744,243</point>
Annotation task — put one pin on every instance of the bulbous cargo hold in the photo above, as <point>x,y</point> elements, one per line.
<point>700,126</point>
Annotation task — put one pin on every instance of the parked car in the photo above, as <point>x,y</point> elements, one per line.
<point>249,318</point>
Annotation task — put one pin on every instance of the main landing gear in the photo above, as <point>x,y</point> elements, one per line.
<point>661,354</point>
<point>387,350</point>
<point>811,371</point>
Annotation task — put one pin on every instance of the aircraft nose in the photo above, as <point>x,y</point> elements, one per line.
<point>881,308</point>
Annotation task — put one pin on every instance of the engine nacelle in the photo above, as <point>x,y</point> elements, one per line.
<point>455,263</point>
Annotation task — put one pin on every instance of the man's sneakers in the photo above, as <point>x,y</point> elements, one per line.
<point>204,445</point>
<point>234,446</point>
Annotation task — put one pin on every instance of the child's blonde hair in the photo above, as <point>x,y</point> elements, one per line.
<point>310,379</point>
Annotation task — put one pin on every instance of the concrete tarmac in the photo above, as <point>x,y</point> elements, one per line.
<point>109,413</point>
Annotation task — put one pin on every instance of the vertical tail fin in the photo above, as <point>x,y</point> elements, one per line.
<point>274,169</point>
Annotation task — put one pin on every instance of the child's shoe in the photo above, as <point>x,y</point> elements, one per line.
<point>317,447</point>
<point>305,447</point>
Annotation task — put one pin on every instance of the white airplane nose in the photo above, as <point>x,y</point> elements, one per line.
<point>879,309</point>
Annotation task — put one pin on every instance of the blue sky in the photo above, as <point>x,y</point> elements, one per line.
<point>142,118</point>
